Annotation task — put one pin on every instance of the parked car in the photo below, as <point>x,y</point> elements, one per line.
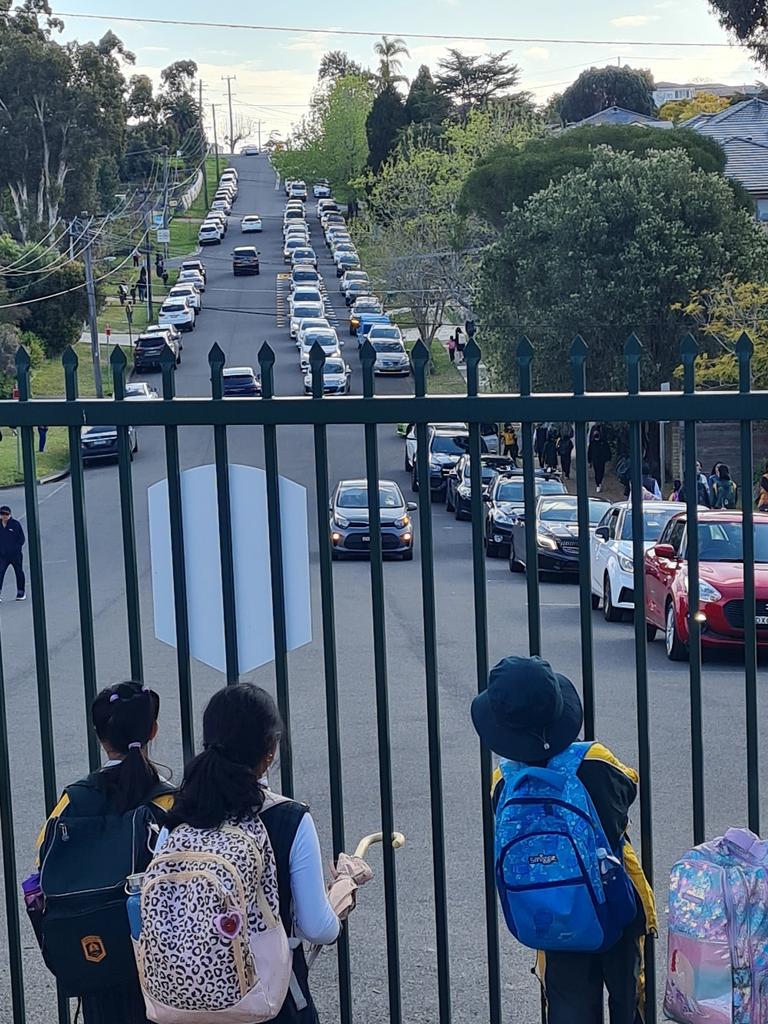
<point>292,243</point>
<point>177,312</point>
<point>100,442</point>
<point>245,260</point>
<point>336,376</point>
<point>240,381</point>
<point>193,277</point>
<point>346,261</point>
<point>505,503</point>
<point>458,483</point>
<point>354,275</point>
<point>148,350</point>
<point>304,274</point>
<point>325,337</point>
<point>223,204</point>
<point>139,391</point>
<point>220,218</point>
<point>391,357</point>
<point>445,449</point>
<point>350,523</point>
<point>250,151</point>
<point>328,205</point>
<point>170,330</point>
<point>188,292</point>
<point>298,190</point>
<point>613,579</point>
<point>557,533</point>
<point>309,324</point>
<point>304,254</point>
<point>721,582</point>
<point>209,233</point>
<point>363,304</point>
<point>408,431</point>
<point>321,189</point>
<point>367,321</point>
<point>302,310</point>
<point>195,264</point>
<point>251,222</point>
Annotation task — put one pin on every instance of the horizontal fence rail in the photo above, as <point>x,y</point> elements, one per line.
<point>580,408</point>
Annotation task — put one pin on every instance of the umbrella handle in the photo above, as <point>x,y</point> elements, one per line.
<point>398,841</point>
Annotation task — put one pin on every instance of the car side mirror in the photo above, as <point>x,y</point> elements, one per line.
<point>411,506</point>
<point>665,551</point>
<point>602,532</point>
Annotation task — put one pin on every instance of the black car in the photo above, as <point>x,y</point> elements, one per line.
<point>445,449</point>
<point>350,526</point>
<point>557,533</point>
<point>240,381</point>
<point>505,503</point>
<point>458,486</point>
<point>100,442</point>
<point>149,348</point>
<point>245,260</point>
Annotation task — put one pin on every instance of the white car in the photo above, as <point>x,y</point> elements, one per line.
<point>250,151</point>
<point>612,562</point>
<point>193,277</point>
<point>342,249</point>
<point>188,292</point>
<point>139,390</point>
<point>304,293</point>
<point>304,254</point>
<point>292,217</point>
<point>321,189</point>
<point>328,340</point>
<point>326,205</point>
<point>219,218</point>
<point>251,222</point>
<point>303,274</point>
<point>209,233</point>
<point>310,324</point>
<point>177,311</point>
<point>291,243</point>
<point>336,376</point>
<point>222,204</point>
<point>296,231</point>
<point>354,275</point>
<point>195,264</point>
<point>391,357</point>
<point>171,332</point>
<point>298,190</point>
<point>301,310</point>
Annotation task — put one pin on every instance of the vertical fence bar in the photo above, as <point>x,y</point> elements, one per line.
<point>216,360</point>
<point>689,349</point>
<point>420,357</point>
<point>524,358</point>
<point>40,630</point>
<point>578,366</point>
<point>82,558</point>
<point>330,665</point>
<point>744,353</point>
<point>133,609</point>
<point>472,357</point>
<point>15,953</point>
<point>175,510</point>
<point>367,359</point>
<point>267,365</point>
<point>632,353</point>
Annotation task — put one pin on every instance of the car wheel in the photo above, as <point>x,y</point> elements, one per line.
<point>676,649</point>
<point>610,613</point>
<point>408,555</point>
<point>650,632</point>
<point>595,601</point>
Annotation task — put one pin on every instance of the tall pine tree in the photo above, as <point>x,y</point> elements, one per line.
<point>385,121</point>
<point>425,105</point>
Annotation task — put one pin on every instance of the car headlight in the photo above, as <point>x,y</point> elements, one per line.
<point>341,521</point>
<point>707,593</point>
<point>402,521</point>
<point>546,540</point>
<point>626,563</point>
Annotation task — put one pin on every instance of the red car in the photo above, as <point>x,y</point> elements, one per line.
<point>721,583</point>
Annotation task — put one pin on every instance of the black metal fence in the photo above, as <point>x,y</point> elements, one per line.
<point>631,407</point>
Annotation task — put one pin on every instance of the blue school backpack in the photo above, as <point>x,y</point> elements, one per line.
<point>560,884</point>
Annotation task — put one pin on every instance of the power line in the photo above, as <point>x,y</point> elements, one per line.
<point>391,32</point>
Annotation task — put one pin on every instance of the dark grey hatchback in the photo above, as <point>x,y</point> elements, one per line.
<point>100,442</point>
<point>350,526</point>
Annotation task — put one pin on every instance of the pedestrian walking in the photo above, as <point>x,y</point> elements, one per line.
<point>762,490</point>
<point>531,716</point>
<point>460,344</point>
<point>725,493</point>
<point>133,294</point>
<point>42,437</point>
<point>164,276</point>
<point>711,481</point>
<point>510,446</point>
<point>452,348</point>
<point>539,440</point>
<point>135,257</point>
<point>122,294</point>
<point>598,455</point>
<point>702,493</point>
<point>159,264</point>
<point>550,452</point>
<point>565,451</point>
<point>12,541</point>
<point>651,489</point>
<point>142,287</point>
<point>124,717</point>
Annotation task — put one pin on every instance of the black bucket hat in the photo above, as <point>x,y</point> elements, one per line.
<point>529,712</point>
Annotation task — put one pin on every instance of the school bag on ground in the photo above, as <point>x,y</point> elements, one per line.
<point>212,946</point>
<point>717,971</point>
<point>85,858</point>
<point>560,885</point>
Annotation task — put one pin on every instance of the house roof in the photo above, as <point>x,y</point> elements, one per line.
<point>618,115</point>
<point>716,88</point>
<point>747,162</point>
<point>748,119</point>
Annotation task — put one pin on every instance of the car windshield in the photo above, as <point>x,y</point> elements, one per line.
<point>304,309</point>
<point>552,487</point>
<point>306,295</point>
<point>302,276</point>
<point>348,257</point>
<point>511,490</point>
<point>294,243</point>
<point>487,473</point>
<point>245,252</point>
<point>333,366</point>
<point>357,497</point>
<point>238,379</point>
<point>303,251</point>
<point>367,307</point>
<point>322,337</point>
<point>386,346</point>
<point>723,542</point>
<point>567,511</point>
<point>386,332</point>
<point>444,444</point>
<point>311,322</point>
<point>653,523</point>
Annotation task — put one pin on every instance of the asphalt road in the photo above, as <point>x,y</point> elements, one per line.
<point>240,313</point>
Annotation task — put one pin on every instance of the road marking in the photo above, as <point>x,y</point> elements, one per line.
<point>47,497</point>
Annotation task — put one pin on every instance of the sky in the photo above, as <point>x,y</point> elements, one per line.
<point>276,71</point>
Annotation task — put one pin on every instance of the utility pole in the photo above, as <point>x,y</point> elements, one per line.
<point>91,293</point>
<point>165,201</point>
<point>203,145</point>
<point>148,269</point>
<point>215,142</point>
<point>229,79</point>
<point>259,128</point>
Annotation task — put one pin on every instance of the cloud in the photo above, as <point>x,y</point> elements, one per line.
<point>315,45</point>
<point>633,20</point>
<point>538,52</point>
<point>153,49</point>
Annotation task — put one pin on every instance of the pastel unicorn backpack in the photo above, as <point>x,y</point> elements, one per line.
<point>717,970</point>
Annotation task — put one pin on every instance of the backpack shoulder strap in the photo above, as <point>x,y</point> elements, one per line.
<point>569,760</point>
<point>85,797</point>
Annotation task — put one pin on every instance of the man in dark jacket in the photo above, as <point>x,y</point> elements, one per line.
<point>12,540</point>
<point>598,454</point>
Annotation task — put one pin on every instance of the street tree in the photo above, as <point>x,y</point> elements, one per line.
<point>511,174</point>
<point>344,148</point>
<point>608,250</point>
<point>599,88</point>
<point>386,120</point>
<point>336,64</point>
<point>702,103</point>
<point>748,21</point>
<point>471,82</point>
<point>426,105</point>
<point>389,51</point>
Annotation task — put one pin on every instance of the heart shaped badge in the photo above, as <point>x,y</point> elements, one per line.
<point>229,925</point>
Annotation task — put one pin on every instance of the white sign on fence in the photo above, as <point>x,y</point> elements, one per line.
<point>250,549</point>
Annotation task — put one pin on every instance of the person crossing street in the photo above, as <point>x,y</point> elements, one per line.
<point>12,541</point>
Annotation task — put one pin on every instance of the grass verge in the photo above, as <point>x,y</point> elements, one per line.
<point>184,226</point>
<point>113,314</point>
<point>445,378</point>
<point>54,459</point>
<point>48,379</point>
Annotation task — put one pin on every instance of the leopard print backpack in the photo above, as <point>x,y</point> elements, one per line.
<point>212,947</point>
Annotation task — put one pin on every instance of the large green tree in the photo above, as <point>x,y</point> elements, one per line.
<point>609,250</point>
<point>335,64</point>
<point>511,174</point>
<point>390,50</point>
<point>425,105</point>
<point>599,88</point>
<point>471,82</point>
<point>748,21</point>
<point>386,120</point>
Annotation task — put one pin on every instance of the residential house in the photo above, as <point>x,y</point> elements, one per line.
<point>666,92</point>
<point>618,115</point>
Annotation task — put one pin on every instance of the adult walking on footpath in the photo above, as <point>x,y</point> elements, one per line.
<point>598,455</point>
<point>42,435</point>
<point>539,441</point>
<point>565,451</point>
<point>460,344</point>
<point>725,493</point>
<point>12,540</point>
<point>562,813</point>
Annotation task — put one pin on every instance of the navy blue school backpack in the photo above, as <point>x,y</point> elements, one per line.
<point>560,884</point>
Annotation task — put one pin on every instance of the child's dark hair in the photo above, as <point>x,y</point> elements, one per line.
<point>241,727</point>
<point>124,717</point>
<point>723,472</point>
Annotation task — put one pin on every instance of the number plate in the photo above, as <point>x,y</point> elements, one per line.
<point>367,540</point>
<point>761,620</point>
